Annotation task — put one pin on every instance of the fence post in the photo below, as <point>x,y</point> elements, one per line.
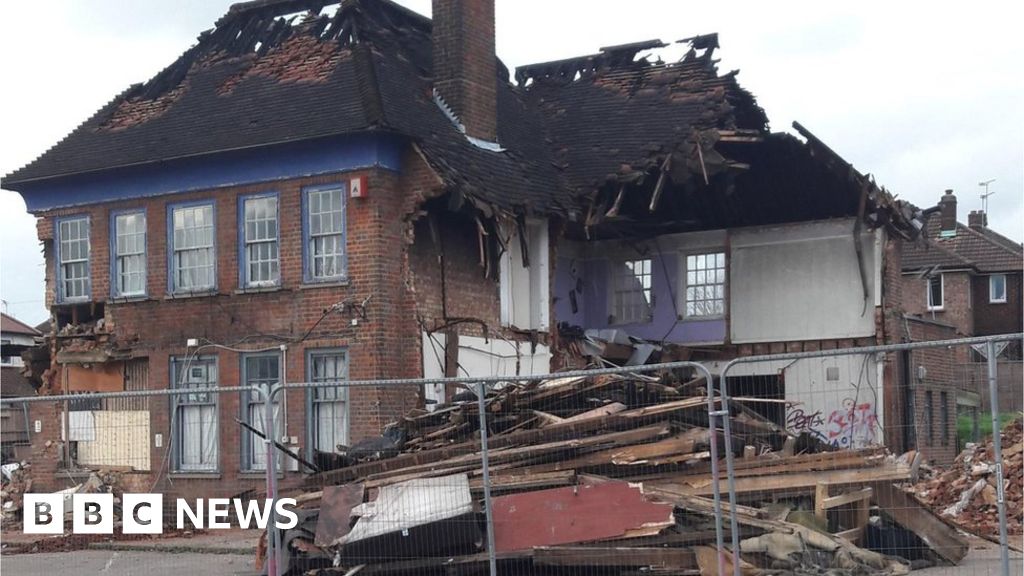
<point>997,448</point>
<point>269,433</point>
<point>481,406</point>
<point>730,472</point>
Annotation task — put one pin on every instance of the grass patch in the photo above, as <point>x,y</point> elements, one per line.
<point>965,425</point>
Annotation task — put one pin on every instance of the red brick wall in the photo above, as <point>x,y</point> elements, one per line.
<point>383,345</point>
<point>958,309</point>
<point>937,441</point>
<point>994,318</point>
<point>465,66</point>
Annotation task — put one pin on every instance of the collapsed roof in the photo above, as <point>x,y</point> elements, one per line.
<point>575,135</point>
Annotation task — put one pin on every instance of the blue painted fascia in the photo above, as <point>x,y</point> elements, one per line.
<point>263,164</point>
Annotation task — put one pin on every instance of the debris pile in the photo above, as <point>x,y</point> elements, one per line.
<point>602,473</point>
<point>15,483</point>
<point>967,492</point>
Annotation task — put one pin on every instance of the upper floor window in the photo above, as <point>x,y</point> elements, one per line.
<point>324,229</point>
<point>259,254</point>
<point>73,258</point>
<point>193,255</point>
<point>129,257</point>
<point>935,288</point>
<point>705,285</point>
<point>997,288</point>
<point>631,291</point>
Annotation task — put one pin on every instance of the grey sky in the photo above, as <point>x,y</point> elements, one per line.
<point>923,97</point>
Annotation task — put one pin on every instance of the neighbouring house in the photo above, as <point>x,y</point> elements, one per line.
<point>316,192</point>
<point>15,338</point>
<point>969,278</point>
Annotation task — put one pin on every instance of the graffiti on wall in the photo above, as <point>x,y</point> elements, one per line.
<point>853,425</point>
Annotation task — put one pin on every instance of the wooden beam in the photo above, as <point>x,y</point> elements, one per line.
<point>847,498</point>
<point>909,513</point>
<point>614,556</point>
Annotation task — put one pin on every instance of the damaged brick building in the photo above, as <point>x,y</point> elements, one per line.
<point>316,191</point>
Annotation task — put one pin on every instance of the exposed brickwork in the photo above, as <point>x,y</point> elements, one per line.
<point>465,66</point>
<point>957,309</point>
<point>998,318</point>
<point>934,394</point>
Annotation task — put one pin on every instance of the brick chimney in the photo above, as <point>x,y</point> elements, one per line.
<point>977,219</point>
<point>465,67</point>
<point>947,213</point>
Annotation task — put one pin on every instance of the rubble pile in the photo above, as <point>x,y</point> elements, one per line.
<point>14,484</point>
<point>611,474</point>
<point>966,493</point>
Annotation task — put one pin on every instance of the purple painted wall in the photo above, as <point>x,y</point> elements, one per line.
<point>592,302</point>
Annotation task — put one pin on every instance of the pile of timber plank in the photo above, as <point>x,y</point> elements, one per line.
<point>966,493</point>
<point>610,473</point>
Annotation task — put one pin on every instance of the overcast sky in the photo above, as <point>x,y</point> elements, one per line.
<point>922,97</point>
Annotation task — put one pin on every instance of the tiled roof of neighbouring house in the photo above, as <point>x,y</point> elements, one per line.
<point>980,248</point>
<point>15,326</point>
<point>13,384</point>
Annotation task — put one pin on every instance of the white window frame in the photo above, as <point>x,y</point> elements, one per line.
<point>991,289</point>
<point>928,293</point>
<point>66,263</point>
<point>259,233</point>
<point>685,284</point>
<point>518,283</point>
<point>178,254</point>
<point>195,414</point>
<point>616,316</point>
<point>122,256</point>
<point>327,399</point>
<point>313,236</point>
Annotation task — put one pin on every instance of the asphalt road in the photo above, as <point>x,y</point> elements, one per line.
<point>126,563</point>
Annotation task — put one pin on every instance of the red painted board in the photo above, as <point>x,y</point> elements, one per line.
<point>584,513</point>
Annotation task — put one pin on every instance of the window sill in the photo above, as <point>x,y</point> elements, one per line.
<point>716,318</point>
<point>939,309</point>
<point>128,299</point>
<point>258,289</point>
<point>997,301</point>
<point>325,284</point>
<point>186,295</point>
<point>196,475</point>
<point>256,474</point>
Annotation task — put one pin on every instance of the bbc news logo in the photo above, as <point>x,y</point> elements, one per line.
<point>144,513</point>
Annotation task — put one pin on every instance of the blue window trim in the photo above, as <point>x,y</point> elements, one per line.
<point>310,352</point>
<point>243,264</point>
<point>114,293</point>
<point>176,449</point>
<point>307,273</point>
<point>246,439</point>
<point>58,274</point>
<point>171,207</point>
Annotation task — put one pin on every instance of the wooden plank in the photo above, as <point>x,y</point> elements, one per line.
<point>909,513</point>
<point>853,534</point>
<point>679,558</point>
<point>820,495</point>
<point>847,498</point>
<point>796,483</point>
<point>606,410</point>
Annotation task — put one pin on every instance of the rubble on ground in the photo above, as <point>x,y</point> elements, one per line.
<point>612,473</point>
<point>966,493</point>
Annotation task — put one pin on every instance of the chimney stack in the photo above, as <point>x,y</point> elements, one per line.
<point>947,213</point>
<point>465,66</point>
<point>977,219</point>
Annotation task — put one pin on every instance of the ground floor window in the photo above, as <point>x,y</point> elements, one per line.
<point>194,426</point>
<point>328,405</point>
<point>258,370</point>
